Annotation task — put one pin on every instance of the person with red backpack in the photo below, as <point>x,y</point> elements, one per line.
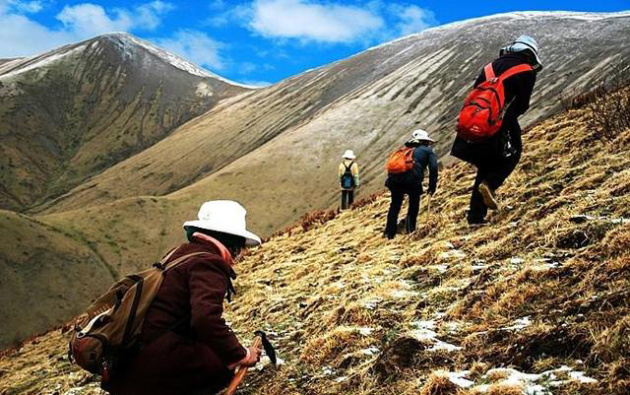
<point>185,345</point>
<point>405,172</point>
<point>348,178</point>
<point>488,132</point>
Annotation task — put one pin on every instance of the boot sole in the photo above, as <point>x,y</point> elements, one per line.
<point>488,199</point>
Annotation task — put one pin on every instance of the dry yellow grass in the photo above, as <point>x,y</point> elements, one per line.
<point>351,313</point>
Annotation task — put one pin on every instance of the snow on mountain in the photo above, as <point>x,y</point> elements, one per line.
<point>130,44</point>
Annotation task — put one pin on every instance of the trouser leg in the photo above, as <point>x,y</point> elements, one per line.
<point>496,176</point>
<point>478,210</point>
<point>414,208</point>
<point>350,197</point>
<point>344,199</point>
<point>394,210</point>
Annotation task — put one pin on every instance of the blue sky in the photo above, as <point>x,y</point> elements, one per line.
<point>253,41</point>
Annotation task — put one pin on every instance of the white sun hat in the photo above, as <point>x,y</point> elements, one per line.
<point>349,154</point>
<point>524,43</point>
<point>420,135</point>
<point>225,216</point>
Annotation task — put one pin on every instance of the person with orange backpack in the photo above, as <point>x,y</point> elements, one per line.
<point>348,178</point>
<point>488,132</point>
<point>405,172</point>
<point>161,331</point>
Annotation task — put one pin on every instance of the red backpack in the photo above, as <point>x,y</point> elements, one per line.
<point>400,161</point>
<point>482,114</point>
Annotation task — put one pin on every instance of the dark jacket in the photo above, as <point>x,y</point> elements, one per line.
<point>194,355</point>
<point>423,157</point>
<point>506,143</point>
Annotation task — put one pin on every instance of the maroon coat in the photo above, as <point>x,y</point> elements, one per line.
<point>193,357</point>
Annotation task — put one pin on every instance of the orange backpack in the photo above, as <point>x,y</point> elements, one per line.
<point>400,161</point>
<point>482,114</point>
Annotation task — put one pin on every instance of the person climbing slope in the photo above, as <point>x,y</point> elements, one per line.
<point>405,172</point>
<point>489,135</point>
<point>187,348</point>
<point>348,178</point>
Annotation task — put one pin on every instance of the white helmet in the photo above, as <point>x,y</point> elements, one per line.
<point>420,135</point>
<point>524,43</point>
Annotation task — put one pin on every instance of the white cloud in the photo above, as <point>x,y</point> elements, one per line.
<point>88,19</point>
<point>22,36</point>
<point>412,19</point>
<point>20,6</point>
<point>310,21</point>
<point>195,46</point>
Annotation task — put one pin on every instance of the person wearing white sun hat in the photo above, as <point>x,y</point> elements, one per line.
<point>348,178</point>
<point>187,345</point>
<point>413,158</point>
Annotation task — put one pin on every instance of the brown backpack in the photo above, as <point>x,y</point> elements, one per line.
<point>110,327</point>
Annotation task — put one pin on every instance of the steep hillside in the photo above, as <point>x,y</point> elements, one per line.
<point>294,132</point>
<point>73,112</point>
<point>45,276</point>
<point>537,302</point>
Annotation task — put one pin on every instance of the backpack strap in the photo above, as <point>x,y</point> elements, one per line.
<point>489,72</point>
<point>349,167</point>
<point>512,71</point>
<point>162,263</point>
<point>166,266</point>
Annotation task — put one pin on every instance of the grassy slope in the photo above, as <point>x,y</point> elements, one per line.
<point>44,277</point>
<point>352,313</point>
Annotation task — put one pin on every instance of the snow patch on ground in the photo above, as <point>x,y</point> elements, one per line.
<point>425,332</point>
<point>519,324</point>
<point>370,351</point>
<point>531,383</point>
<point>459,378</point>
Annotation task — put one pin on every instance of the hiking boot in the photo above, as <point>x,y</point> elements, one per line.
<point>488,196</point>
<point>474,223</point>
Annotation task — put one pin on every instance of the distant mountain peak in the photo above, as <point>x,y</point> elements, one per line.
<point>129,41</point>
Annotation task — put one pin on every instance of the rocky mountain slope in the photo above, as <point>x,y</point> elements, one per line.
<point>73,112</point>
<point>537,302</point>
<point>289,137</point>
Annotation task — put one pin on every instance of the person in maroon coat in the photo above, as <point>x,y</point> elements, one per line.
<point>187,347</point>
